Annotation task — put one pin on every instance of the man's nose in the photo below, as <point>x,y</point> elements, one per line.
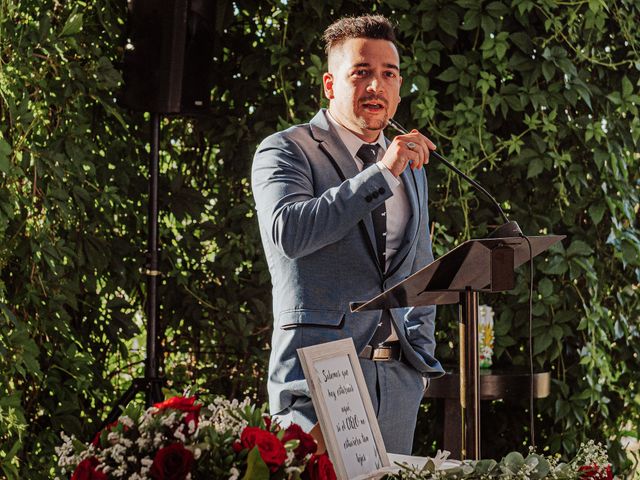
<point>375,85</point>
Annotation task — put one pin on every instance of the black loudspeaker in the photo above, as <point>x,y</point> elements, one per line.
<point>168,57</point>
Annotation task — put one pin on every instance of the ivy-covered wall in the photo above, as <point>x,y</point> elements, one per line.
<point>538,100</point>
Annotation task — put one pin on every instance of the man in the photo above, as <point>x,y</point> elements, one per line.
<point>342,218</point>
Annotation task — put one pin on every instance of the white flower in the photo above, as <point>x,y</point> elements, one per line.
<point>143,442</point>
<point>192,426</point>
<point>157,439</point>
<point>126,421</point>
<point>146,466</point>
<point>169,420</point>
<point>180,436</point>
<point>235,473</point>
<point>121,471</point>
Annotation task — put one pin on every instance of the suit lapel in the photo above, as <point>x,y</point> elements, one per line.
<point>340,158</point>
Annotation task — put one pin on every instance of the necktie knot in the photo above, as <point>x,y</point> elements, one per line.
<point>368,153</point>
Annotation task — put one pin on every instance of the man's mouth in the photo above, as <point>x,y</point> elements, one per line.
<point>373,106</point>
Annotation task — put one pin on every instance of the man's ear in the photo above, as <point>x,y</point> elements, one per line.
<point>327,81</point>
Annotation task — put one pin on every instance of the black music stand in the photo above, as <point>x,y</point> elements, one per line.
<point>483,265</point>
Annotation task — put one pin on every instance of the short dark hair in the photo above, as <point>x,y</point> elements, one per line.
<point>365,26</point>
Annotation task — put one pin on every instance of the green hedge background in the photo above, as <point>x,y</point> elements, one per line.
<point>538,100</point>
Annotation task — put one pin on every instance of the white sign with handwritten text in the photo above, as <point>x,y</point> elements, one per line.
<point>348,417</point>
<point>341,400</point>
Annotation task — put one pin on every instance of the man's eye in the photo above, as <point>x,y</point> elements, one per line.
<point>360,73</point>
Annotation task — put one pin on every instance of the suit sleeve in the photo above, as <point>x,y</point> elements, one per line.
<point>296,219</point>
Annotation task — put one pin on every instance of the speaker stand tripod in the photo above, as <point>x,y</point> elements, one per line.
<point>151,383</point>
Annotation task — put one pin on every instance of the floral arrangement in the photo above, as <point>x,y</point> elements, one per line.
<point>181,439</point>
<point>590,463</point>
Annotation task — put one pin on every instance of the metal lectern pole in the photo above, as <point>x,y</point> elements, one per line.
<point>469,375</point>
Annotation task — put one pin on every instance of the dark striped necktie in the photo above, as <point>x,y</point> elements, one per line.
<point>368,153</point>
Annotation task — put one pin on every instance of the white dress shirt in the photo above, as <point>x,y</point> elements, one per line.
<point>397,206</point>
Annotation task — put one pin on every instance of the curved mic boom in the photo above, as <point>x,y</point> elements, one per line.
<point>509,229</point>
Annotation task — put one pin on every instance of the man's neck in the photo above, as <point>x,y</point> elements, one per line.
<point>368,136</point>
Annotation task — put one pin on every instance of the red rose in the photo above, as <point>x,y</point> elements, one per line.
<point>270,448</point>
<point>96,440</point>
<point>86,470</point>
<point>319,468</point>
<point>237,447</point>
<point>307,442</point>
<point>184,404</point>
<point>268,422</point>
<point>595,472</point>
<point>271,424</point>
<point>172,462</point>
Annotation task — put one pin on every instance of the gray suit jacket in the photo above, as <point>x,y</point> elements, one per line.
<point>314,210</point>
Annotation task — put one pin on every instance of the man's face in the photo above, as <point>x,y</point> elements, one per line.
<point>363,85</point>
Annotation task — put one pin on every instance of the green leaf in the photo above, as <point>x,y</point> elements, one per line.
<point>541,343</point>
<point>630,252</point>
<point>535,167</point>
<point>256,468</point>
<point>501,50</point>
<point>596,212</point>
<point>548,70</point>
<point>600,156</point>
<point>615,98</point>
<point>73,25</point>
<point>497,9</point>
<point>594,5</point>
<point>5,156</point>
<point>483,467</point>
<point>585,95</point>
<point>578,247</point>
<point>513,461</point>
<point>557,332</point>
<point>449,21</point>
<point>451,74</point>
<point>627,87</point>
<point>545,287</point>
<point>459,61</point>
<point>541,466</point>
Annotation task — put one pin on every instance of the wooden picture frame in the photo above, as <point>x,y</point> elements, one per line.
<point>345,413</point>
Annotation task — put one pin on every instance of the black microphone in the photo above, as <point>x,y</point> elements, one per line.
<point>510,228</point>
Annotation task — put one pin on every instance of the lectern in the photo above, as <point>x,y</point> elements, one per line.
<point>473,267</point>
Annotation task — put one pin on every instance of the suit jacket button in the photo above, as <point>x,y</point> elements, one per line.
<point>368,198</point>
<point>375,194</point>
<point>381,190</point>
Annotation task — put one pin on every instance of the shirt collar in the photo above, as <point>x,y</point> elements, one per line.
<point>351,140</point>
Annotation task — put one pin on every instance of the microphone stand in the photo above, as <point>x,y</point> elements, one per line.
<point>509,228</point>
<point>468,326</point>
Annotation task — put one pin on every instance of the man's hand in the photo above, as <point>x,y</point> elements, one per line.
<point>399,153</point>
